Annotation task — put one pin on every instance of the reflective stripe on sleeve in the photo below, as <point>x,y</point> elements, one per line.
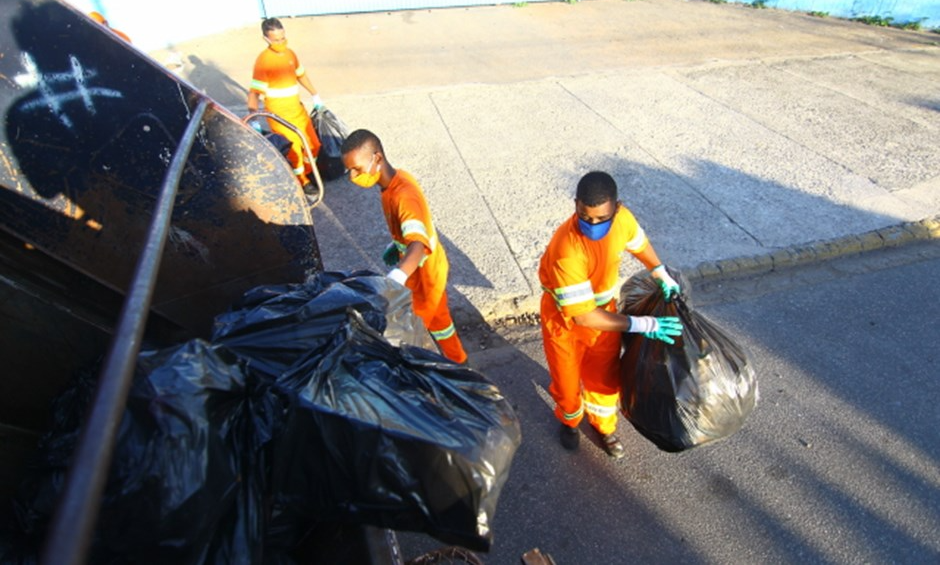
<point>574,294</point>
<point>259,85</point>
<point>403,247</point>
<point>410,227</point>
<point>300,71</point>
<point>602,298</point>
<point>639,241</point>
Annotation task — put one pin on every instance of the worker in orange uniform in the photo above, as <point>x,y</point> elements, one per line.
<point>581,328</point>
<point>278,76</point>
<point>101,20</point>
<point>418,257</point>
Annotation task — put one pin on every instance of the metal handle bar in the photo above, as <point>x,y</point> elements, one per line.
<point>78,508</point>
<point>303,141</point>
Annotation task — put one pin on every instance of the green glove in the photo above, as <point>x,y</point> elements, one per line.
<point>662,328</point>
<point>391,255</point>
<point>668,285</point>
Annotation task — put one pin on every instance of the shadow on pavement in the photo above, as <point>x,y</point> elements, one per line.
<point>216,84</point>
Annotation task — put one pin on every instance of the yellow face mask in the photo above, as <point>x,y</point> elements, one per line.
<point>279,47</point>
<point>368,180</point>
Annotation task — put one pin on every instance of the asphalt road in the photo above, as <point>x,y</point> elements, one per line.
<point>839,463</point>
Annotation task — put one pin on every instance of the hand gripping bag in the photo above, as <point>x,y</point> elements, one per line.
<point>680,396</point>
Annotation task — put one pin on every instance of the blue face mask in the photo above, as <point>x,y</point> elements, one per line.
<point>595,231</point>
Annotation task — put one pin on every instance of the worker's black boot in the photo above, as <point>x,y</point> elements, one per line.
<point>570,437</point>
<point>612,446</point>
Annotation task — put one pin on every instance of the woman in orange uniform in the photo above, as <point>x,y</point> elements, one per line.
<point>581,328</point>
<point>277,77</point>
<point>421,263</point>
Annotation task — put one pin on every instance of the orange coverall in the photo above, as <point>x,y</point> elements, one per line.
<point>275,77</point>
<point>409,219</point>
<point>101,20</point>
<point>578,274</point>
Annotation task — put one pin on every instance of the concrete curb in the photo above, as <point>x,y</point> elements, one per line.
<point>522,310</point>
<point>801,255</point>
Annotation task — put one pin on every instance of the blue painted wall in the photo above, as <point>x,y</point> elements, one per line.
<point>316,7</point>
<point>901,11</point>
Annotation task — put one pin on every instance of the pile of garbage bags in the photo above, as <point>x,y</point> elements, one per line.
<point>312,403</point>
<point>693,392</point>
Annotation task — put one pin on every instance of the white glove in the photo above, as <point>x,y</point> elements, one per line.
<point>643,324</point>
<point>398,276</point>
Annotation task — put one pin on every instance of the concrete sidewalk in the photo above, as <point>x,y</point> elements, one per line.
<point>742,139</point>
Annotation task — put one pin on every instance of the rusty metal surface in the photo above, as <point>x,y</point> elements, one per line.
<point>90,125</point>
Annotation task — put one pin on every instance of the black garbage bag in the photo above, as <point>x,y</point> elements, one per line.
<point>280,142</point>
<point>332,132</point>
<point>189,470</point>
<point>25,527</point>
<point>272,327</point>
<point>398,438</point>
<point>232,452</point>
<point>688,394</point>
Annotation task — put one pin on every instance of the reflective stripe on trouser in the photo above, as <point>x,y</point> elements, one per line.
<point>567,417</point>
<point>584,368</point>
<point>296,154</point>
<point>434,312</point>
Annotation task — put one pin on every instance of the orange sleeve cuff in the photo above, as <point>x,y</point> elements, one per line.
<point>578,309</point>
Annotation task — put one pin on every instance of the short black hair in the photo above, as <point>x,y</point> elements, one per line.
<point>596,188</point>
<point>270,24</point>
<point>359,138</point>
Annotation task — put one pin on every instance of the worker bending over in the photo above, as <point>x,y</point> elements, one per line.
<point>415,251</point>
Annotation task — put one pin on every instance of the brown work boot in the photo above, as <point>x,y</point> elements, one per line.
<point>570,437</point>
<point>612,446</point>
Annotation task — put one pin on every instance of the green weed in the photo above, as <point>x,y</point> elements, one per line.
<point>759,4</point>
<point>888,21</point>
<point>913,26</point>
<point>819,14</point>
<point>874,20</point>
